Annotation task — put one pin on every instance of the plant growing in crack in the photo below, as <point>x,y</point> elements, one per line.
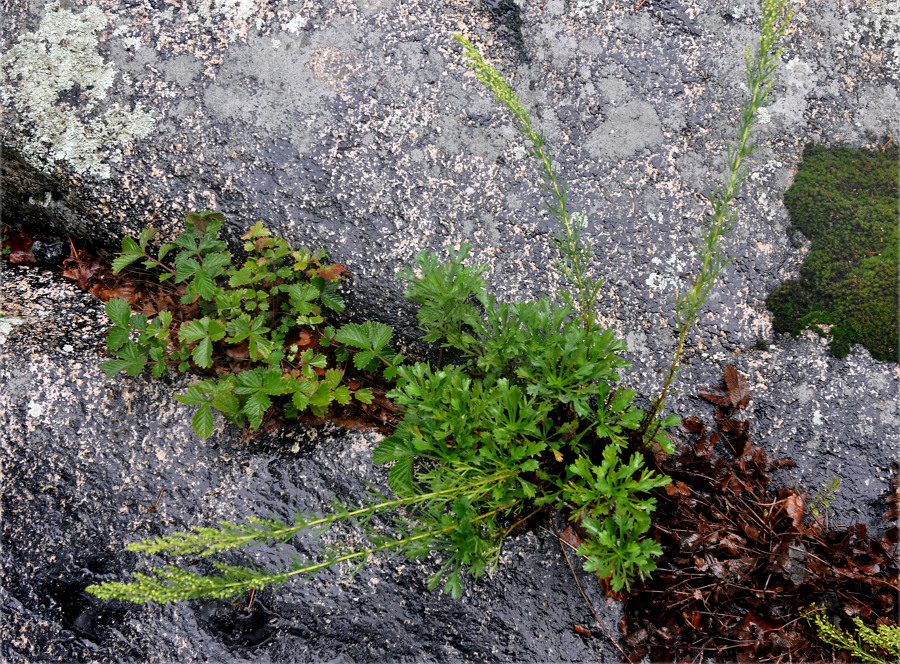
<point>531,417</point>
<point>253,327</point>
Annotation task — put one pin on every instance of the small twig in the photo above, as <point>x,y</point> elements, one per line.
<point>75,251</point>
<point>587,601</point>
<point>640,5</point>
<point>379,81</point>
<point>796,11</point>
<point>888,142</point>
<point>158,498</point>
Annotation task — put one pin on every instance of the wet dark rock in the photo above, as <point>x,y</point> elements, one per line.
<point>85,458</point>
<point>356,127</point>
<point>49,253</point>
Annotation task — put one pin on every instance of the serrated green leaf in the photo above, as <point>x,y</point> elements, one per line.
<point>274,382</point>
<point>352,334</point>
<point>122,261</point>
<point>226,403</point>
<point>185,268</point>
<point>146,235</point>
<point>671,421</point>
<point>138,322</point>
<point>249,382</point>
<point>215,329</point>
<point>309,357</point>
<point>164,250</point>
<point>362,359</point>
<point>203,421</point>
<point>400,477</point>
<point>202,353</point>
<point>112,367</point>
<point>119,312</point>
<point>342,394</point>
<point>333,377</point>
<point>255,407</point>
<point>129,246</point>
<point>257,230</point>
<point>135,358</point>
<point>193,396</point>
<point>333,301</point>
<point>300,400</point>
<point>260,346</point>
<point>203,285</point>
<point>116,338</point>
<point>192,331</point>
<point>380,335</point>
<point>365,395</point>
<point>215,262</point>
<point>241,278</point>
<point>368,336</point>
<point>322,397</point>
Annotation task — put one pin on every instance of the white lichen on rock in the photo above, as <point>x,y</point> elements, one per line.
<point>878,23</point>
<point>6,326</point>
<point>56,81</point>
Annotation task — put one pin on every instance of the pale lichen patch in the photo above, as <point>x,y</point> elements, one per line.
<point>6,326</point>
<point>59,81</point>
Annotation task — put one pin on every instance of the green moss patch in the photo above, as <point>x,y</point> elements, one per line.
<point>846,202</point>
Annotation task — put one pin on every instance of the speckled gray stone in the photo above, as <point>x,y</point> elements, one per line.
<point>84,458</point>
<point>354,125</point>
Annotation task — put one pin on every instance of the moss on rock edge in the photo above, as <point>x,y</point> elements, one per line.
<point>846,202</point>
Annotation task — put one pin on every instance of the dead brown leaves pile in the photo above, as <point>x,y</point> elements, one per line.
<point>742,559</point>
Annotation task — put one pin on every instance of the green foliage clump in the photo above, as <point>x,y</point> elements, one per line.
<point>531,414</point>
<point>880,645</point>
<point>535,399</point>
<point>239,323</point>
<point>846,202</point>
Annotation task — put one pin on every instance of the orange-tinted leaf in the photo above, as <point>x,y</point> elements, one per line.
<point>333,272</point>
<point>678,489</point>
<point>794,506</point>
<point>240,352</point>
<point>19,245</point>
<point>124,292</point>
<point>570,537</point>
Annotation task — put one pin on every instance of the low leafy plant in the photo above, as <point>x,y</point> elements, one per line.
<point>880,645</point>
<point>530,414</point>
<point>821,499</point>
<point>251,327</point>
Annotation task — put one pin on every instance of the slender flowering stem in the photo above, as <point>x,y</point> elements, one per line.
<point>575,253</point>
<point>760,76</point>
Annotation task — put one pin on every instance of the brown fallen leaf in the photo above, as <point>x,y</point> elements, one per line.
<point>738,387</point>
<point>678,488</point>
<point>693,424</point>
<point>794,506</point>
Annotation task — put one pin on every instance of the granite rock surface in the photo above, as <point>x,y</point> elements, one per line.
<point>354,125</point>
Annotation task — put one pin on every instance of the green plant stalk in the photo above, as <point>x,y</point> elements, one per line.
<point>202,543</point>
<point>575,256</point>
<point>760,77</point>
<point>139,591</point>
